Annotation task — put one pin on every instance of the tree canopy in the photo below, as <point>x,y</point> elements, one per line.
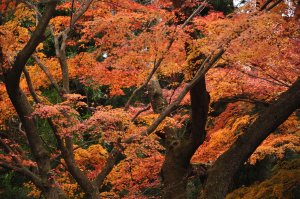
<point>149,99</point>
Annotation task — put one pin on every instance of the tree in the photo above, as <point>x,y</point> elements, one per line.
<point>111,50</point>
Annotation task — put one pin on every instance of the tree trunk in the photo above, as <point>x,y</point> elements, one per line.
<point>54,193</point>
<point>23,108</point>
<point>65,71</point>
<point>158,102</point>
<point>24,111</point>
<point>180,150</point>
<point>36,145</point>
<point>221,175</point>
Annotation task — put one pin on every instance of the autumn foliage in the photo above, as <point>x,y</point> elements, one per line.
<point>108,48</point>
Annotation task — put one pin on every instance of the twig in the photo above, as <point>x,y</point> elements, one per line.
<point>199,9</point>
<point>265,5</point>
<point>139,112</point>
<point>272,6</point>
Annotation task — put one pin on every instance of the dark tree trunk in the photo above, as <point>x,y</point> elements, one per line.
<point>221,175</point>
<point>41,155</point>
<point>180,150</point>
<point>23,108</point>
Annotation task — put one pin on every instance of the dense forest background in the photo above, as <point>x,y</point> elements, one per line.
<point>149,99</point>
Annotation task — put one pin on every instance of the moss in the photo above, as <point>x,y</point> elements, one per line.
<point>284,183</point>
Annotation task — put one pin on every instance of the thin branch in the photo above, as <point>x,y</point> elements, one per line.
<point>265,5</point>
<point>32,6</point>
<point>18,149</point>
<point>71,14</point>
<point>155,67</point>
<point>198,10</point>
<point>159,61</point>
<point>24,171</point>
<point>19,167</point>
<point>139,112</point>
<point>30,86</point>
<point>274,5</point>
<point>278,83</point>
<point>73,168</point>
<point>75,17</point>
<point>47,72</point>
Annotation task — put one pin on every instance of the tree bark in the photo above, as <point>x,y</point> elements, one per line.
<point>54,193</point>
<point>30,86</point>
<point>89,187</point>
<point>176,166</point>
<point>158,102</point>
<point>23,108</point>
<point>60,51</point>
<point>36,145</point>
<point>220,176</point>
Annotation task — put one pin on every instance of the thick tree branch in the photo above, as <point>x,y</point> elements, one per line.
<point>111,161</point>
<point>273,5</point>
<point>89,188</point>
<point>158,102</point>
<point>221,174</point>
<point>206,65</point>
<point>265,5</point>
<point>177,166</point>
<point>13,75</point>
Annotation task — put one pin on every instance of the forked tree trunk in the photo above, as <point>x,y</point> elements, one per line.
<point>180,150</point>
<point>221,175</point>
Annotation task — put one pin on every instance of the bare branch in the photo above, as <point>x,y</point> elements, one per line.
<point>198,10</point>
<point>265,5</point>
<point>273,5</point>
<point>30,86</point>
<point>46,71</point>
<point>139,112</point>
